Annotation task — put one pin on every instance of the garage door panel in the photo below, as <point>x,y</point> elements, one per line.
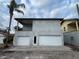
<point>23,41</point>
<point>50,40</point>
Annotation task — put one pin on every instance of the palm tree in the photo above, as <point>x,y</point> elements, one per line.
<point>13,7</point>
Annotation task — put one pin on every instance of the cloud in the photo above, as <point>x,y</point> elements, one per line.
<point>58,8</point>
<point>40,9</point>
<point>64,11</point>
<point>58,12</point>
<point>39,3</point>
<point>71,16</point>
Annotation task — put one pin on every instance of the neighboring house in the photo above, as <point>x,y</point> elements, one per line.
<point>2,37</point>
<point>39,32</point>
<point>70,28</point>
<point>3,33</point>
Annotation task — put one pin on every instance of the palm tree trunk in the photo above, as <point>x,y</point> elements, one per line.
<point>10,23</point>
<point>9,29</point>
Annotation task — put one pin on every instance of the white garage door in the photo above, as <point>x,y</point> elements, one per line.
<point>50,41</point>
<point>23,41</point>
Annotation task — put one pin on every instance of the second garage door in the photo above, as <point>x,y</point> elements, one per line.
<point>50,41</point>
<point>23,41</point>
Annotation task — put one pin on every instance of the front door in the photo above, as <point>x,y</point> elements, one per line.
<point>35,41</point>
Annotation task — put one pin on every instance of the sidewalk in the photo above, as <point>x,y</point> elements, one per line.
<point>39,48</point>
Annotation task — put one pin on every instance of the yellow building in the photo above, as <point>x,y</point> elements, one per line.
<point>70,29</point>
<point>69,25</point>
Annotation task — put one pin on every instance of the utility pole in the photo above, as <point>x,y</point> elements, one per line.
<point>78,16</point>
<point>77,9</point>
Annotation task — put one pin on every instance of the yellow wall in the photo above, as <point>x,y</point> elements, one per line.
<point>65,24</point>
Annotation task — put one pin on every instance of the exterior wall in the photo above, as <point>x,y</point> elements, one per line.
<point>47,27</point>
<point>72,38</point>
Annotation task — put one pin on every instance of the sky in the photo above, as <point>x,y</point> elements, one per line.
<point>39,9</point>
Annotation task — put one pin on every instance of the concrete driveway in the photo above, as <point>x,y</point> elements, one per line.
<point>39,53</point>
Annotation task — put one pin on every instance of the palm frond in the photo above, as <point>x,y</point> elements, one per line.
<point>21,5</point>
<point>8,6</point>
<point>13,4</point>
<point>20,11</point>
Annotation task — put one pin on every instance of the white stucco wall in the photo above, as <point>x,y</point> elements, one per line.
<point>47,29</point>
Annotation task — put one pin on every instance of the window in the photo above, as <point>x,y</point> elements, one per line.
<point>34,39</point>
<point>28,26</point>
<point>72,38</point>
